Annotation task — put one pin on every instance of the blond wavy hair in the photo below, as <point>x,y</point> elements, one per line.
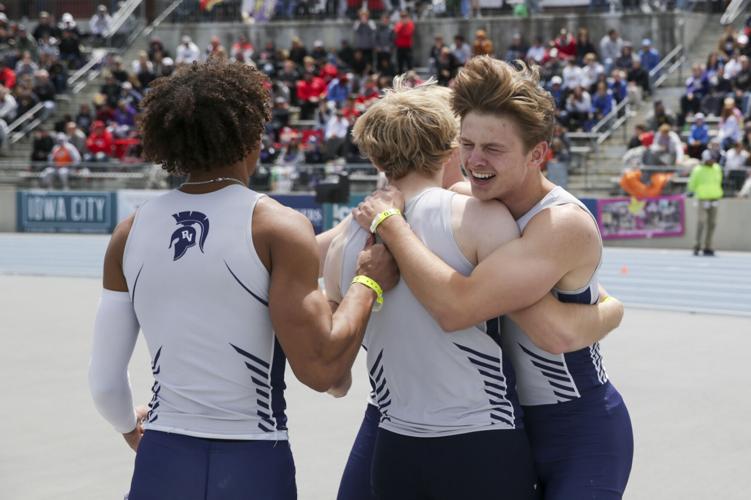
<point>489,86</point>
<point>408,129</point>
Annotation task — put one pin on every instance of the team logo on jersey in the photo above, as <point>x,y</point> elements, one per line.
<point>185,236</point>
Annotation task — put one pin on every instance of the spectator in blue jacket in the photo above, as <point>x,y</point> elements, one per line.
<point>602,102</point>
<point>697,86</point>
<point>648,55</point>
<point>618,86</point>
<point>698,137</point>
<point>338,90</point>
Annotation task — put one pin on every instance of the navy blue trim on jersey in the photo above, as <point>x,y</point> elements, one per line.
<point>380,386</point>
<point>493,330</point>
<point>135,284</point>
<point>172,466</point>
<point>583,297</point>
<point>495,384</point>
<point>556,377</point>
<point>259,375</point>
<point>156,368</point>
<point>584,365</point>
<point>259,299</point>
<point>278,403</point>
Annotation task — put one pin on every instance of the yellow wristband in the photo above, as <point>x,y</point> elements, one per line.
<point>609,297</point>
<point>378,219</point>
<point>373,285</point>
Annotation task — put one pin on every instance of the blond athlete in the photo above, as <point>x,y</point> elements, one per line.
<point>578,425</point>
<point>450,423</point>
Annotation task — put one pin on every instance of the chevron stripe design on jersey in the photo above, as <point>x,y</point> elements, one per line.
<point>556,374</point>
<point>152,415</point>
<point>261,379</point>
<point>491,371</point>
<point>594,353</point>
<point>378,382</point>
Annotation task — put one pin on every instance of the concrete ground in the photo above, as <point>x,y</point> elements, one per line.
<point>683,375</point>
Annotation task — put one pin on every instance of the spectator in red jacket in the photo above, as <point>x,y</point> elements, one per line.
<point>404,33</point>
<point>7,76</point>
<point>100,142</point>
<point>309,91</point>
<point>566,45</point>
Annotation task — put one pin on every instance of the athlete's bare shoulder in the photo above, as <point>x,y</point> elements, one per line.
<point>567,223</point>
<point>280,227</point>
<point>481,226</point>
<point>570,233</point>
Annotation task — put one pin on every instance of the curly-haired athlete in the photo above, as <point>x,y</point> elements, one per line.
<point>578,425</point>
<point>223,283</point>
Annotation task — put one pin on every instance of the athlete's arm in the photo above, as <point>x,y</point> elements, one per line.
<point>332,271</point>
<point>552,325</point>
<point>514,276</point>
<point>558,327</point>
<point>320,348</point>
<point>115,334</point>
<point>325,239</point>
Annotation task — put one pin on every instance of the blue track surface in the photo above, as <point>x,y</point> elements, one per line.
<point>661,279</point>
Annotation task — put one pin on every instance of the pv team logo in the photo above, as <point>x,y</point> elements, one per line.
<point>185,236</point>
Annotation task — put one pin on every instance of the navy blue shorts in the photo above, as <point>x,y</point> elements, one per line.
<point>355,484</point>
<point>487,465</point>
<point>176,467</point>
<point>583,449</point>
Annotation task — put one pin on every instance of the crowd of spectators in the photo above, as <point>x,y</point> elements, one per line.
<point>714,116</point>
<point>34,65</point>
<point>252,11</point>
<point>318,92</point>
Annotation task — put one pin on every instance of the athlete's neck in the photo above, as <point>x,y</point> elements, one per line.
<point>534,189</point>
<point>239,171</point>
<point>415,183</point>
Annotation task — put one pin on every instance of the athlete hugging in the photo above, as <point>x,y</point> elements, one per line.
<point>487,379</point>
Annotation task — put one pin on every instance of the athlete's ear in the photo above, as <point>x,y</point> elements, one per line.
<point>538,154</point>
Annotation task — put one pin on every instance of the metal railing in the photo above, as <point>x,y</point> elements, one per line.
<point>619,115</point>
<point>121,16</point>
<point>733,10</point>
<point>672,61</point>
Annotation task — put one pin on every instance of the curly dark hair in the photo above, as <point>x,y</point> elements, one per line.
<point>205,116</point>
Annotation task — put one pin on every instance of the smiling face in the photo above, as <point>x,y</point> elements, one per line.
<point>494,156</point>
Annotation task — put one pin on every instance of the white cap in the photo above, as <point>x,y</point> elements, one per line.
<point>699,116</point>
<point>167,61</point>
<point>706,156</point>
<point>556,80</point>
<point>67,17</point>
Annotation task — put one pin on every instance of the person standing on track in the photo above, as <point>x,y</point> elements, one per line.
<point>223,282</point>
<point>577,422</point>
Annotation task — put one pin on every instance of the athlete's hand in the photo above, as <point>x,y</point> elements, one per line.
<point>377,263</point>
<point>383,199</point>
<point>133,438</point>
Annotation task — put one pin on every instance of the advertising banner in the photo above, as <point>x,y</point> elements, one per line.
<point>65,211</point>
<point>659,217</point>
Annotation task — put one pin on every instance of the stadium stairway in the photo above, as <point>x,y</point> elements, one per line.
<point>605,165</point>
